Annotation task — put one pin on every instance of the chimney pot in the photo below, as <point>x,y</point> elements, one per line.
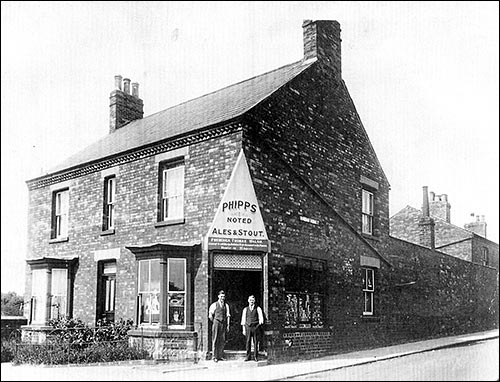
<point>118,82</point>
<point>135,89</point>
<point>126,85</point>
<point>425,204</point>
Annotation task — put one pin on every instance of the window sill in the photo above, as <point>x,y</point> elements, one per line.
<point>371,237</point>
<point>370,318</point>
<point>58,240</point>
<point>108,232</point>
<point>169,222</point>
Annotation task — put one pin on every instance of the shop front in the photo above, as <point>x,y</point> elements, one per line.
<point>238,247</point>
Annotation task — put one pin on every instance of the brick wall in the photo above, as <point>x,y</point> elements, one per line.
<point>208,167</point>
<point>313,125</point>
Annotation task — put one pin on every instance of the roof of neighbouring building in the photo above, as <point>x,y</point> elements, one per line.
<point>446,233</point>
<point>213,108</point>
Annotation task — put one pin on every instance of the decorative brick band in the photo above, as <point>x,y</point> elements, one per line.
<point>119,159</point>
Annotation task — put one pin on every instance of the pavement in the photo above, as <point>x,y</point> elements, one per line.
<point>233,369</point>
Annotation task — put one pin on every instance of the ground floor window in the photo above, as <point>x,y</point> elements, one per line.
<point>368,290</point>
<point>176,292</point>
<point>163,292</point>
<point>59,293</point>
<point>149,291</point>
<point>51,290</point>
<point>304,292</point>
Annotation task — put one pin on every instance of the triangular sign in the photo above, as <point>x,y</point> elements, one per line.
<point>238,223</point>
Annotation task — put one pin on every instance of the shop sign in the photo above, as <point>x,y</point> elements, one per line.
<point>238,223</point>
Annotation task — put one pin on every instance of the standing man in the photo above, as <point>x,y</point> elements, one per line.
<point>251,319</point>
<point>220,316</point>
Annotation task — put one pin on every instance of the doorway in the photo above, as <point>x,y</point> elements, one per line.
<point>106,282</point>
<point>238,285</point>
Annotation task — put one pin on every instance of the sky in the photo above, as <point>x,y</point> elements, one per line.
<point>423,77</point>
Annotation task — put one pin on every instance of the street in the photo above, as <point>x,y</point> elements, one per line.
<point>473,362</point>
<point>468,357</point>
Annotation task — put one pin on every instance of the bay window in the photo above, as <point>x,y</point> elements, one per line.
<point>164,286</point>
<point>51,289</point>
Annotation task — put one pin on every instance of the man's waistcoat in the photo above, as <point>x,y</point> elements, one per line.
<point>220,313</point>
<point>252,317</point>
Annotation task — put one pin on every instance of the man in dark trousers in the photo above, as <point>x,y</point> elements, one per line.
<point>220,316</point>
<point>251,318</point>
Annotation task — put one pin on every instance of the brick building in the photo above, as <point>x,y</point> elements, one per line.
<point>468,243</point>
<point>268,187</point>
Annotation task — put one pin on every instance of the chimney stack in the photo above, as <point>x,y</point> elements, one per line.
<point>439,207</point>
<point>478,227</point>
<point>322,41</point>
<point>123,106</point>
<point>426,224</point>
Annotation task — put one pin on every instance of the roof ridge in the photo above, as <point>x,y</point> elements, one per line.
<point>225,87</point>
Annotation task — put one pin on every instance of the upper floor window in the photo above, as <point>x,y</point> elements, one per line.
<point>368,290</point>
<point>484,256</point>
<point>109,203</point>
<point>367,212</point>
<point>171,195</point>
<point>60,209</point>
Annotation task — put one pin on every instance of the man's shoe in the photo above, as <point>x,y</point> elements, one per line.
<point>255,359</point>
<point>215,359</point>
<point>222,359</point>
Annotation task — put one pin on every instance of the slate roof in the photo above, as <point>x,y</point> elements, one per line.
<point>216,107</point>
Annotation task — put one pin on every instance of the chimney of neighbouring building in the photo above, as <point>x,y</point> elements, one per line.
<point>478,227</point>
<point>322,41</point>
<point>439,207</point>
<point>123,106</point>
<point>426,224</point>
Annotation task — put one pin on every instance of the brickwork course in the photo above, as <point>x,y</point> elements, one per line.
<point>310,159</point>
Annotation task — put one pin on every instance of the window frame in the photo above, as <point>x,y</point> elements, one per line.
<point>149,291</point>
<point>485,256</point>
<point>164,168</point>
<point>169,292</point>
<point>53,296</point>
<point>312,296</point>
<point>367,211</point>
<point>109,201</point>
<point>59,217</point>
<point>368,291</point>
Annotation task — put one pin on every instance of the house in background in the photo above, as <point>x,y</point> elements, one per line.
<point>268,187</point>
<point>468,243</point>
